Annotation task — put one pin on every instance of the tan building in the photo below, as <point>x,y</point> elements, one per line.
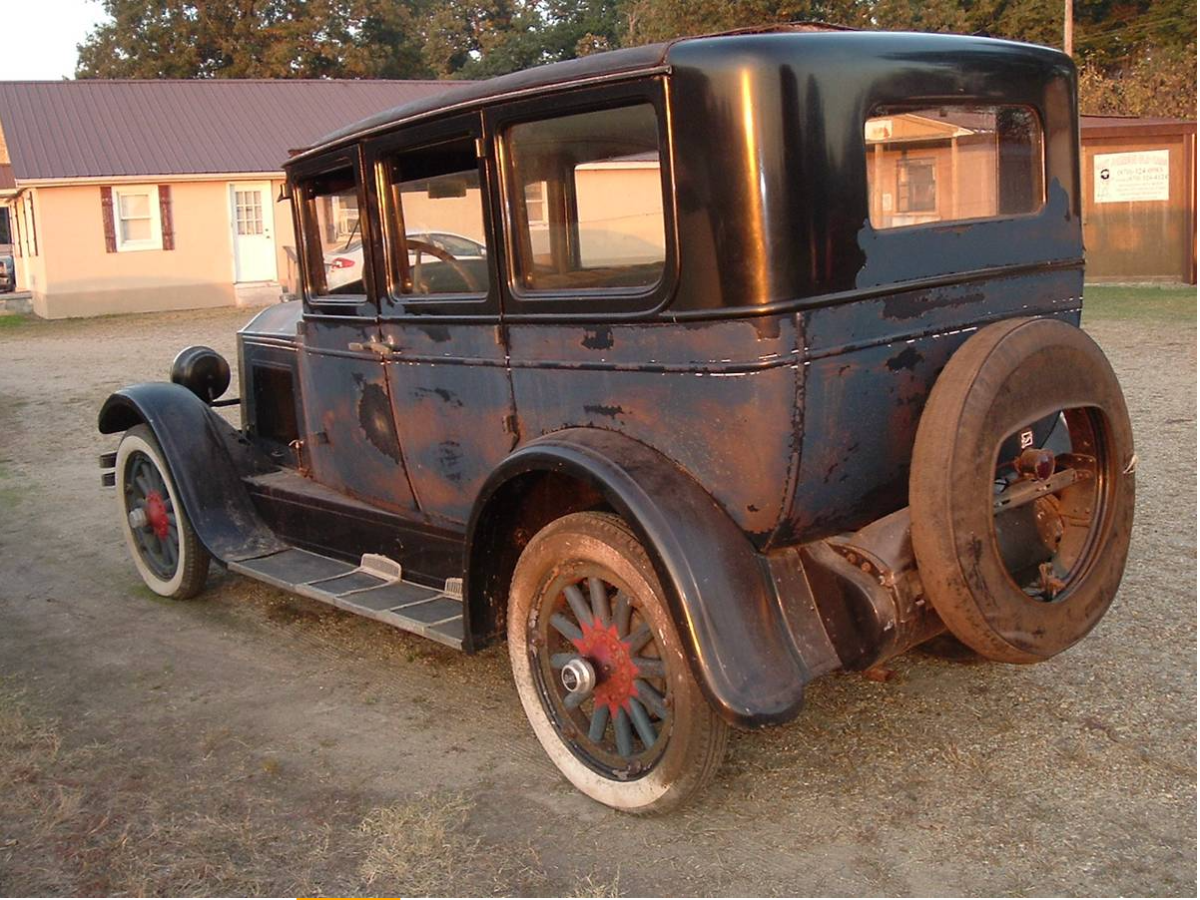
<point>129,196</point>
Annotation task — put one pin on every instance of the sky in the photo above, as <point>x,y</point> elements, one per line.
<point>40,36</point>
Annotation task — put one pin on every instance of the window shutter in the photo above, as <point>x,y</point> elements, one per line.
<point>164,212</point>
<point>110,228</point>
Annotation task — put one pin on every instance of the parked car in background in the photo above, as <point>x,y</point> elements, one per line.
<point>768,366</point>
<point>428,248</point>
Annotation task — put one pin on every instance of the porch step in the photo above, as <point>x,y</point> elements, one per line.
<point>16,303</point>
<point>374,588</point>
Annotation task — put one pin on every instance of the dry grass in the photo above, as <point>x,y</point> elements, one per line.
<point>415,847</point>
<point>94,820</point>
<point>100,819</point>
<point>596,885</point>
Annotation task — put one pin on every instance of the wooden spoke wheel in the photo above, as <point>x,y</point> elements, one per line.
<point>601,671</point>
<point>168,555</point>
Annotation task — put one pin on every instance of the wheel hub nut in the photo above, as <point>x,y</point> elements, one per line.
<point>578,676</point>
<point>137,518</point>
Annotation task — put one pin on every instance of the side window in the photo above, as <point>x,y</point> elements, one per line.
<point>333,240</point>
<point>137,213</point>
<point>586,196</point>
<point>953,163</point>
<point>438,240</point>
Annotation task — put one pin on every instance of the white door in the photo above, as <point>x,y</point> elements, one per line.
<point>253,227</point>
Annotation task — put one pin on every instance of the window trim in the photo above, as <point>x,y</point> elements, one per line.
<point>914,104</point>
<point>607,302</point>
<point>155,241</point>
<point>299,180</point>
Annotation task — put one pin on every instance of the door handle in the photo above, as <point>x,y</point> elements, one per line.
<point>371,347</point>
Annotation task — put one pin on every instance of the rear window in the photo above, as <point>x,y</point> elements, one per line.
<point>953,163</point>
<point>587,197</point>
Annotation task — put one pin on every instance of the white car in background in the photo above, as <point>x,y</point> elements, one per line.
<point>346,266</point>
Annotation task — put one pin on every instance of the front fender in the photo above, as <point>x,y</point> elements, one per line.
<point>207,458</point>
<point>719,588</point>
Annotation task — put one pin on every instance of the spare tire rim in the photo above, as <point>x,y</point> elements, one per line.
<point>586,624</point>
<point>1049,501</point>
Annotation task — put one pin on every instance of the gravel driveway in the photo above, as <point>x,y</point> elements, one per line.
<point>253,742</point>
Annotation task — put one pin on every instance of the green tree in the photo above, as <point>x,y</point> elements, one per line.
<point>255,38</point>
<point>480,39</point>
<point>1135,55</point>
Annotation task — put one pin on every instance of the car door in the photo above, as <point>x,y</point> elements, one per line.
<point>439,313</point>
<point>351,444</point>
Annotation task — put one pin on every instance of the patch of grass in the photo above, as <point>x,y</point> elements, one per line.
<point>70,823</point>
<point>1139,303</point>
<point>416,847</point>
<point>12,321</point>
<point>12,491</point>
<point>425,847</point>
<point>596,885</point>
<point>27,746</point>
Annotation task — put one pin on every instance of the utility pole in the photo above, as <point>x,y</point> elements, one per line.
<point>1069,27</point>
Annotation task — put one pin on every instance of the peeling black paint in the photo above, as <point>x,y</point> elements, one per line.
<point>375,417</point>
<point>446,396</point>
<point>908,359</point>
<point>600,409</point>
<point>449,458</point>
<point>598,338</point>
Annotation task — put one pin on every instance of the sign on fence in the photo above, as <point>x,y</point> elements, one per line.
<point>1140,176</point>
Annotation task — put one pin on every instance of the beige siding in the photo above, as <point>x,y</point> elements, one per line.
<point>285,241</point>
<point>74,275</point>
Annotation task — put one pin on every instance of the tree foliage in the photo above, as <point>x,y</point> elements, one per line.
<point>1135,55</point>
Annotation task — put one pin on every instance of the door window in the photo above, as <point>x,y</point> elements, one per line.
<point>333,235</point>
<point>587,200</point>
<point>438,243</point>
<point>247,206</point>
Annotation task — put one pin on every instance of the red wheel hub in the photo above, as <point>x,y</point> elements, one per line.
<point>615,669</point>
<point>156,514</point>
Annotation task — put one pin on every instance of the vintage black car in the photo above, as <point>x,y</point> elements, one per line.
<point>770,367</point>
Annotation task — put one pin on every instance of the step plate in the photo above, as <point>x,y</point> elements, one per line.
<point>422,610</point>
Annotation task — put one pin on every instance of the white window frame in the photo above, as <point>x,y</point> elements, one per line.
<point>345,217</point>
<point>154,242</point>
<point>542,221</point>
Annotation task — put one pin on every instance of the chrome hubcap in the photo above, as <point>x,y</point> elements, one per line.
<point>579,677</point>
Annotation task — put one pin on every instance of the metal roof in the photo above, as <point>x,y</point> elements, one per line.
<point>101,128</point>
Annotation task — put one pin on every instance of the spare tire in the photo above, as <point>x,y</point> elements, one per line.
<point>1021,557</point>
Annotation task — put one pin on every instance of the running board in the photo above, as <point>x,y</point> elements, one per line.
<point>374,588</point>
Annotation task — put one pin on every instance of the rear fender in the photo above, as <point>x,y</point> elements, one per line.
<point>207,458</point>
<point>720,590</point>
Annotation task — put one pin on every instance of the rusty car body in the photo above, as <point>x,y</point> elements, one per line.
<point>744,396</point>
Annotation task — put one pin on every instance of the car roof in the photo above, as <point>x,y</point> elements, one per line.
<point>596,67</point>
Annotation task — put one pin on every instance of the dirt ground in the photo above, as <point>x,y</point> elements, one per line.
<point>250,742</point>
